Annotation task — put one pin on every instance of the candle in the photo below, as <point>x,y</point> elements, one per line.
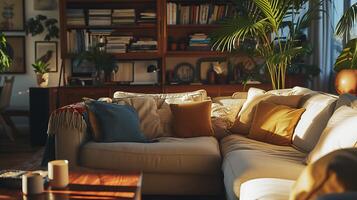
<point>58,173</point>
<point>32,183</point>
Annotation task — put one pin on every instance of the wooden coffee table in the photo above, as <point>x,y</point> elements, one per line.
<point>89,185</point>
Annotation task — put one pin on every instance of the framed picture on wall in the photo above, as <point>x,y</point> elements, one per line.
<point>12,15</point>
<point>46,51</point>
<point>16,50</point>
<point>45,4</point>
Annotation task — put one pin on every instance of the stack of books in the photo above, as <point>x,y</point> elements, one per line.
<point>99,17</point>
<point>118,44</point>
<point>144,45</point>
<point>75,17</point>
<point>198,13</point>
<point>147,17</point>
<point>96,36</point>
<point>123,16</point>
<point>199,42</point>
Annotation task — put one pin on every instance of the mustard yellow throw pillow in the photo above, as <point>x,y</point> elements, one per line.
<point>274,123</point>
<point>245,116</point>
<point>333,173</point>
<point>192,119</point>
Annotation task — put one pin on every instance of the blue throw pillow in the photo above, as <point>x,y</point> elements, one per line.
<point>116,123</point>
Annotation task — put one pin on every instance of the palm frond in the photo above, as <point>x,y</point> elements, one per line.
<point>274,11</point>
<point>234,30</point>
<point>347,21</point>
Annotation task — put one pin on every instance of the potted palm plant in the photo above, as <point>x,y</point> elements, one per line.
<point>41,69</point>
<point>346,63</point>
<point>104,62</point>
<point>5,60</point>
<point>263,22</point>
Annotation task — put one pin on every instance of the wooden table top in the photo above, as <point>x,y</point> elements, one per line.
<point>88,185</point>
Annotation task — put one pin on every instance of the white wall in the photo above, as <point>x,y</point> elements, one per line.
<point>23,82</point>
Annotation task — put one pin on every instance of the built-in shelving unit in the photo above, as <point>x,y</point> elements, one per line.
<point>191,17</point>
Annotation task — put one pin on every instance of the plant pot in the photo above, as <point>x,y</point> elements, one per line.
<point>42,79</point>
<point>346,81</point>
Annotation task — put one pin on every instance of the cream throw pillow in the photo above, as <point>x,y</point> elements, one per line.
<point>340,132</point>
<point>150,121</point>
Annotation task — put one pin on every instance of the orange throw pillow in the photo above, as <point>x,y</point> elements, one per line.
<point>244,120</point>
<point>192,119</point>
<point>274,123</point>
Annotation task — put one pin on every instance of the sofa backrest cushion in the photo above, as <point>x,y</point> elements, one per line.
<point>319,108</point>
<point>340,132</point>
<point>117,123</point>
<point>333,173</point>
<point>199,95</point>
<point>192,119</point>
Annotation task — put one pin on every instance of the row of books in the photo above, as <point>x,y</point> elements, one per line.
<point>107,17</point>
<point>81,40</point>
<point>197,14</point>
<point>99,17</point>
<point>199,41</point>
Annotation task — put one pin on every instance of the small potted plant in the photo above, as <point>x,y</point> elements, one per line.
<point>41,69</point>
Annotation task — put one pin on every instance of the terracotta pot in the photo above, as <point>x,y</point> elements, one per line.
<point>346,81</point>
<point>42,79</point>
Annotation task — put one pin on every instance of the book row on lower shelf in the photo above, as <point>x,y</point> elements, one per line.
<point>81,40</point>
<point>107,17</point>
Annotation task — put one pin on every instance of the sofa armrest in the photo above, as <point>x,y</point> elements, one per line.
<point>69,128</point>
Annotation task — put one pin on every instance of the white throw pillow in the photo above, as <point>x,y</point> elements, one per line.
<point>340,132</point>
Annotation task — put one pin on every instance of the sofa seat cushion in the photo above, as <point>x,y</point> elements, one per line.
<point>244,165</point>
<point>266,189</point>
<point>198,155</point>
<point>239,142</point>
<point>246,159</point>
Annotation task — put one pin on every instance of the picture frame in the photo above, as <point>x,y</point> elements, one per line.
<point>125,73</point>
<point>45,4</point>
<point>205,64</point>
<point>16,50</point>
<point>47,51</point>
<point>12,15</point>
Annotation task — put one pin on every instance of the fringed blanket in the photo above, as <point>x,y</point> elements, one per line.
<point>69,116</point>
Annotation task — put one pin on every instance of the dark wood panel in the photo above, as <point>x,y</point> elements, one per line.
<point>69,95</point>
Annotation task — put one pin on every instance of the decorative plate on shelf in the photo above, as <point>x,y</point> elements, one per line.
<point>184,72</point>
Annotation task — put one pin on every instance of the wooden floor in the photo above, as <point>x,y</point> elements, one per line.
<point>21,155</point>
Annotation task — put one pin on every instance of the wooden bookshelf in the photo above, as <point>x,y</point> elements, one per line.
<point>162,31</point>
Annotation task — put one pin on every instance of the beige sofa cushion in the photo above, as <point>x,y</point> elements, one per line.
<point>319,108</point>
<point>246,159</point>
<point>199,155</point>
<point>340,132</point>
<point>151,122</point>
<point>266,189</point>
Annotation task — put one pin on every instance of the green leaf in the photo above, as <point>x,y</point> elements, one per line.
<point>348,57</point>
<point>348,20</point>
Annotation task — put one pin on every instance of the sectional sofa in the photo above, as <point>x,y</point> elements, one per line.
<point>229,163</point>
